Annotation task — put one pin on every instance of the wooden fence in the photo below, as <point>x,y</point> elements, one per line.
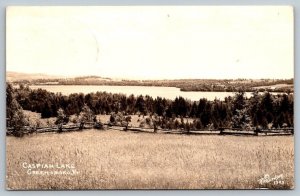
<point>56,128</point>
<point>256,131</point>
<point>92,125</point>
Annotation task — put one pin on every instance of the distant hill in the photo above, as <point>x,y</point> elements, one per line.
<point>18,76</point>
<point>14,76</point>
<point>92,78</point>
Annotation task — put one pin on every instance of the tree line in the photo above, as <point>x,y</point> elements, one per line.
<point>226,85</point>
<point>260,110</point>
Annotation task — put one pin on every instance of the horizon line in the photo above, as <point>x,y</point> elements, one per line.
<point>128,78</point>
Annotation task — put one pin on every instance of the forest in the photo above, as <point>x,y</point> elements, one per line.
<point>259,111</point>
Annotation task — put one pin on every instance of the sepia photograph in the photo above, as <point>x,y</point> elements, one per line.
<point>149,97</point>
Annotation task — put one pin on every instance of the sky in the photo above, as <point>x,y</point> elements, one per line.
<point>152,42</point>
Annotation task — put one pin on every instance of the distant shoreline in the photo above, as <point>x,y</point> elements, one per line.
<point>289,89</point>
<point>185,85</point>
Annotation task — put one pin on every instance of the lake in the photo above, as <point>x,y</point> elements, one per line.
<point>154,91</point>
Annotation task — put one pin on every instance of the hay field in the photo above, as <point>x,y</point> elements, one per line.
<point>124,160</point>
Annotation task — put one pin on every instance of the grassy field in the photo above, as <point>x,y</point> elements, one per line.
<point>123,160</point>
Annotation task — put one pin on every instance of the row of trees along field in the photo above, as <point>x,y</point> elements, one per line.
<point>263,110</point>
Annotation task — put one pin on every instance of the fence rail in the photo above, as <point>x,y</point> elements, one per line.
<point>219,131</point>
<point>256,131</point>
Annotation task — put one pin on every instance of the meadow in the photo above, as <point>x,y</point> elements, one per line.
<point>124,160</point>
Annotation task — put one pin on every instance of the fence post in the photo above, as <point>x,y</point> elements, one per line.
<point>221,130</point>
<point>256,131</point>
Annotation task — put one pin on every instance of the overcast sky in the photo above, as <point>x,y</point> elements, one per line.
<point>152,42</point>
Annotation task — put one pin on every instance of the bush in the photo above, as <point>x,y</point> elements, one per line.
<point>112,119</point>
<point>142,124</point>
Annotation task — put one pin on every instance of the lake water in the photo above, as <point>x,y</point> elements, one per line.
<point>166,92</point>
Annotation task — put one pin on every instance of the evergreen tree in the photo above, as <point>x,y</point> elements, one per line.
<point>15,117</point>
<point>193,111</point>
<point>86,115</point>
<point>61,118</point>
